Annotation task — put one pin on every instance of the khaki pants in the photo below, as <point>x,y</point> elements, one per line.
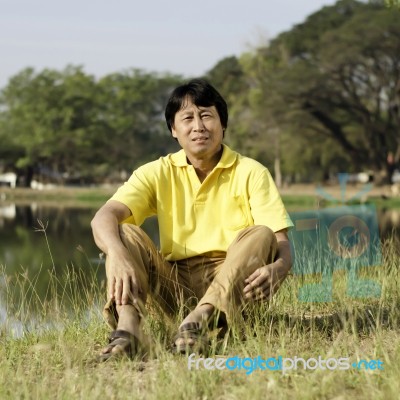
<point>216,279</point>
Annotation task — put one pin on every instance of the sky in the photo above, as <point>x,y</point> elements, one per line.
<point>177,36</point>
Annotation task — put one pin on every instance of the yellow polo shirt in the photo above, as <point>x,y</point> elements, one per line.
<point>201,218</point>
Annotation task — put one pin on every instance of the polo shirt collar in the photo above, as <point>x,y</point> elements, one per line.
<point>228,158</point>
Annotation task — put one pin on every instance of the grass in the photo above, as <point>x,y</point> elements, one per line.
<point>313,202</point>
<point>48,344</point>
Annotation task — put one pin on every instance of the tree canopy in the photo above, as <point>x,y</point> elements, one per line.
<point>66,125</point>
<point>337,77</point>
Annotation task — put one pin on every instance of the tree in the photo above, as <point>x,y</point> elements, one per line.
<point>66,125</point>
<point>230,79</point>
<point>49,119</point>
<point>338,74</point>
<point>132,112</point>
<point>393,3</point>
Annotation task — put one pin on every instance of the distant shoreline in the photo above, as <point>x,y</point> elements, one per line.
<point>294,195</point>
<point>63,194</point>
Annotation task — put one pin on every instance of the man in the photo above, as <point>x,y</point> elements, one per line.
<point>222,230</point>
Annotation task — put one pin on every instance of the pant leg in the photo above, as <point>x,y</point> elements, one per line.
<point>252,248</point>
<point>198,273</point>
<point>156,275</point>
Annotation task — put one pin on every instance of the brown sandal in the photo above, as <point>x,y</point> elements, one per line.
<point>129,343</point>
<point>191,330</point>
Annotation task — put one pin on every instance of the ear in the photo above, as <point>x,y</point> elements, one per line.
<point>173,132</point>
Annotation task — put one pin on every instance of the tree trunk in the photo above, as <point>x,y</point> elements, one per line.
<point>28,176</point>
<point>277,158</point>
<point>277,171</point>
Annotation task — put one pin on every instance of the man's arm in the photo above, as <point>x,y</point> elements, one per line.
<point>121,280</point>
<point>265,281</point>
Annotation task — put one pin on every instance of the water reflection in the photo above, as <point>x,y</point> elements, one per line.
<point>41,244</point>
<point>40,248</point>
<point>26,229</point>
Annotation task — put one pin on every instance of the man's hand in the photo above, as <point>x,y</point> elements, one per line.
<point>263,283</point>
<point>122,283</point>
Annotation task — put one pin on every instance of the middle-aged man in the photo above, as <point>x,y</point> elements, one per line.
<point>223,231</point>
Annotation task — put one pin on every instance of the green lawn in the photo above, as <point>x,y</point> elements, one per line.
<point>54,358</point>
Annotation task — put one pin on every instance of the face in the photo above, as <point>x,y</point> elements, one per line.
<point>198,130</point>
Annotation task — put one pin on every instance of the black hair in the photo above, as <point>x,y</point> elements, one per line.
<point>202,94</point>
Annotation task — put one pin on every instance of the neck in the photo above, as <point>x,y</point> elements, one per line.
<point>203,167</point>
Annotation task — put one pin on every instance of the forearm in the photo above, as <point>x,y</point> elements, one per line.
<point>284,257</point>
<point>105,228</point>
<point>121,279</point>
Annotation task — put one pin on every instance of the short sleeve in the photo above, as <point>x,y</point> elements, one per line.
<point>138,194</point>
<point>266,203</point>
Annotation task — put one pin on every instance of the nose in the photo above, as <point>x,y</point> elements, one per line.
<point>198,124</point>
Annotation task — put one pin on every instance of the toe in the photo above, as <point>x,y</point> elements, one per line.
<point>185,342</point>
<point>119,345</point>
<point>106,350</point>
<point>119,349</point>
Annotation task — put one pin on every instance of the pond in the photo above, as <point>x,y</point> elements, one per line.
<point>36,237</point>
<point>42,247</point>
<point>39,241</point>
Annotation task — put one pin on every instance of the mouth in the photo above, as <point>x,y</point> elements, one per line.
<point>200,139</point>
